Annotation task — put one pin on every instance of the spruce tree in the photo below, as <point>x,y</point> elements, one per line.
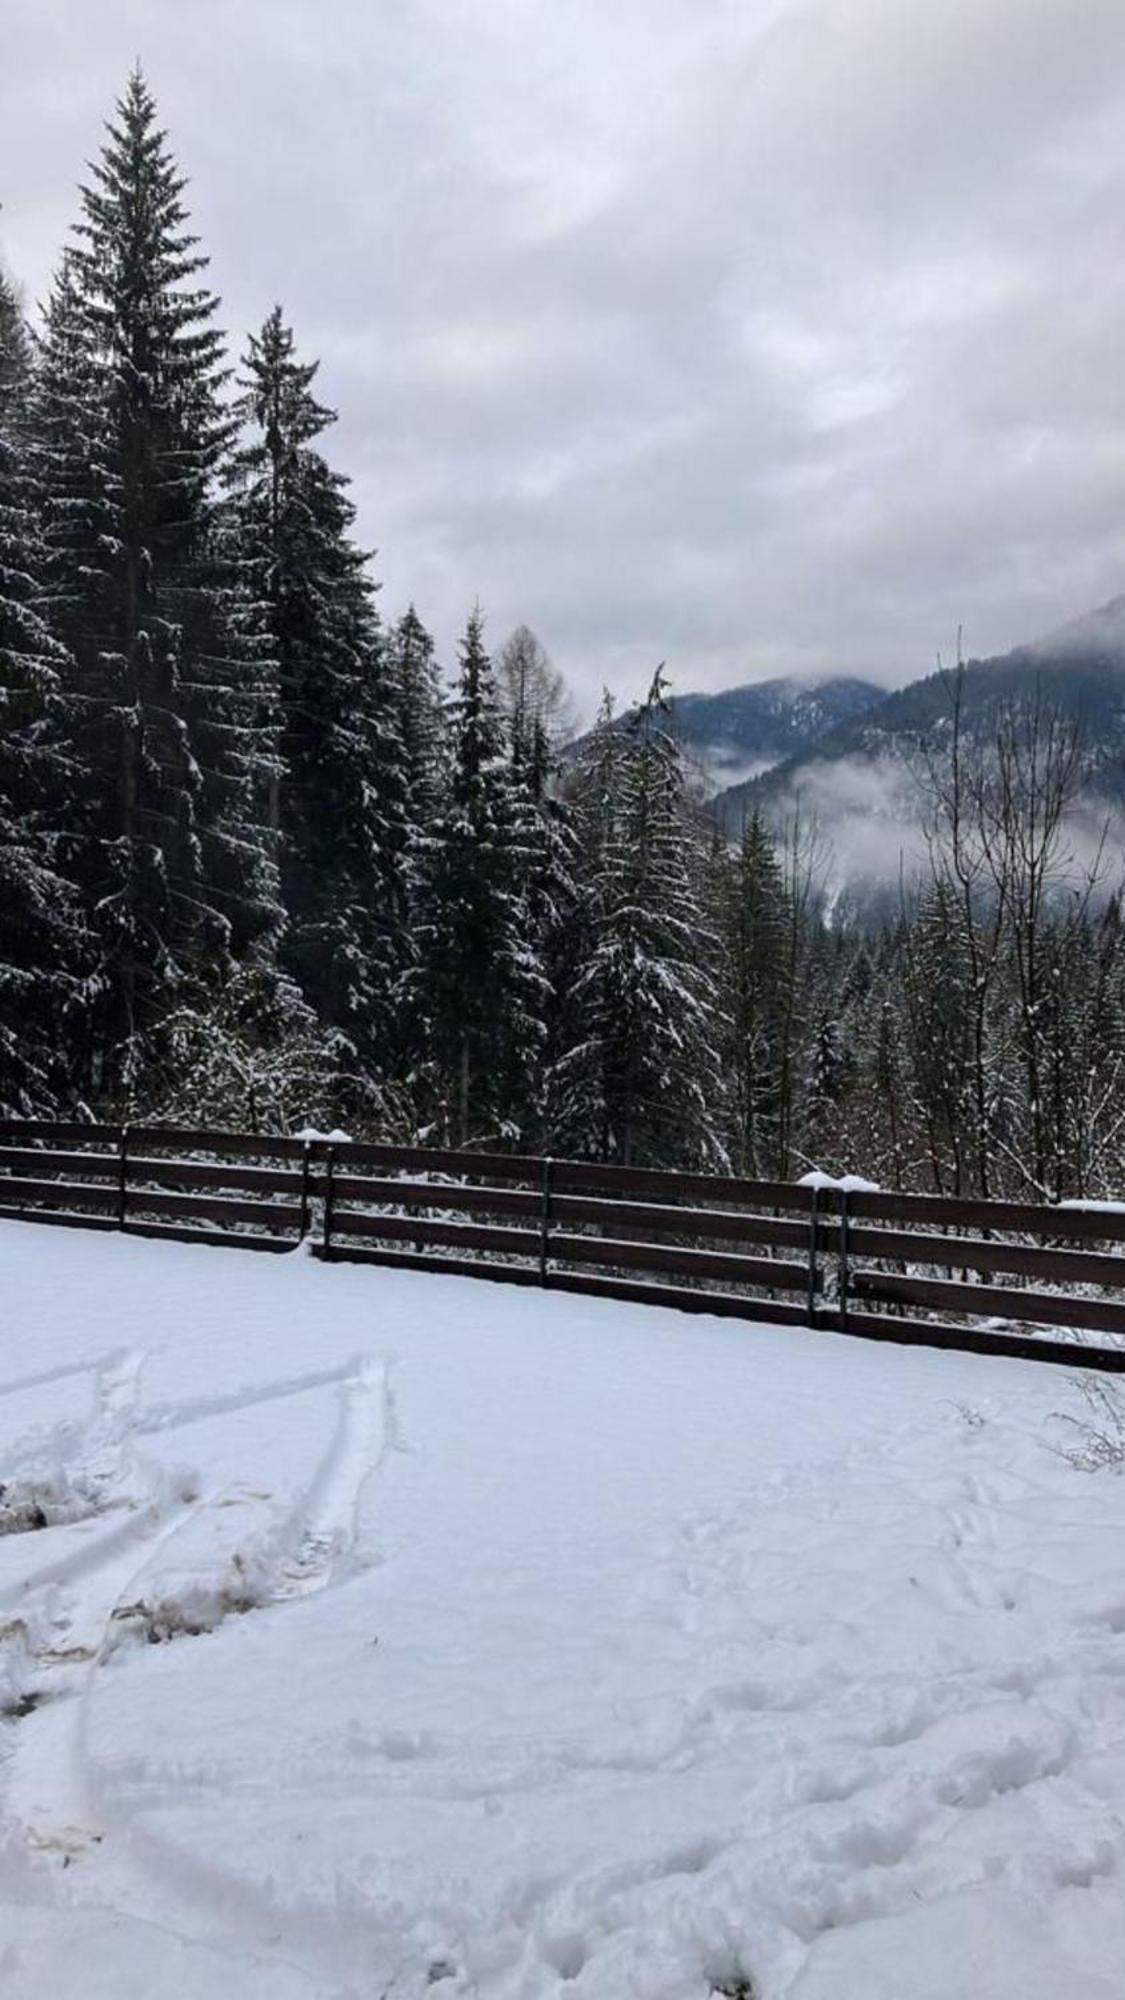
<point>479,984</point>
<point>936,986</point>
<point>421,723</point>
<point>754,921</point>
<point>43,945</point>
<point>172,690</point>
<point>341,805</point>
<point>640,1081</point>
<point>545,856</point>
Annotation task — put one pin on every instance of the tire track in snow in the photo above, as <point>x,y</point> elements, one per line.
<point>316,1545</point>
<point>50,1375</point>
<point>77,1473</point>
<point>243,1566</point>
<point>325,1526</point>
<point>90,1557</point>
<point>161,1417</point>
<point>155,1495</point>
<point>60,1819</point>
<point>71,1810</point>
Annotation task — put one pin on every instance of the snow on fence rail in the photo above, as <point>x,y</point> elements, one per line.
<point>840,1258</point>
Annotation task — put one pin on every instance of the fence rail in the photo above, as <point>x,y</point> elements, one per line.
<point>987,1276</point>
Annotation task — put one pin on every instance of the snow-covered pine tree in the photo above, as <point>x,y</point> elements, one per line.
<point>577,1117</point>
<point>342,801</point>
<point>173,689</point>
<point>754,921</point>
<point>479,985</point>
<point>421,722</point>
<point>885,1116</point>
<point>1084,1035</point>
<point>935,977</point>
<point>44,949</point>
<point>824,1088</point>
<point>416,682</point>
<point>841,984</point>
<point>640,1081</point>
<point>544,852</point>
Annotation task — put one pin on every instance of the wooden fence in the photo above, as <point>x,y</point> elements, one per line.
<point>988,1276</point>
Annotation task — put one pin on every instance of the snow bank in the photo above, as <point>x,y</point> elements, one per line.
<point>584,1650</point>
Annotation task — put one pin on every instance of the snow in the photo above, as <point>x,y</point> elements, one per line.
<point>393,1634</point>
<point>850,1183</point>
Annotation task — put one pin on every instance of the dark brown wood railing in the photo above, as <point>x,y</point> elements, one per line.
<point>993,1277</point>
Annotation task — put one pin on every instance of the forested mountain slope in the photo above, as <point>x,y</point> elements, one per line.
<point>866,765</point>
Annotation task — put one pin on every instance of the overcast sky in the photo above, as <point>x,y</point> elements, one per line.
<point>760,335</point>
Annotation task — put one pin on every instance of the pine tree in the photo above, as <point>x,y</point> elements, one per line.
<point>841,980</point>
<point>342,804</point>
<point>824,1089</point>
<point>544,851</point>
<point>43,946</point>
<point>479,984</point>
<point>885,1116</point>
<point>640,1080</point>
<point>421,724</point>
<point>1084,1033</point>
<point>173,692</point>
<point>935,971</point>
<point>576,1115</point>
<point>754,920</point>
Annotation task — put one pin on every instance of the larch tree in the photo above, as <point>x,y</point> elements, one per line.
<point>533,693</point>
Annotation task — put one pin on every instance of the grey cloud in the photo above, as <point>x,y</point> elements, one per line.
<point>759,335</point>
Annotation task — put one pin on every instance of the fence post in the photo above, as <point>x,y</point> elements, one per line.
<point>844,1266</point>
<point>122,1174</point>
<point>545,1221</point>
<point>303,1219</point>
<point>814,1272</point>
<point>329,1159</point>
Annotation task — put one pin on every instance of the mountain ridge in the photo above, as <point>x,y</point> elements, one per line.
<point>1078,668</point>
<point>744,730</point>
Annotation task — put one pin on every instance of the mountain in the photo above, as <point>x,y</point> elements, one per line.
<point>860,780</point>
<point>745,730</point>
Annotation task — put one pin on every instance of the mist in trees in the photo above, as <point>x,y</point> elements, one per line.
<point>263,861</point>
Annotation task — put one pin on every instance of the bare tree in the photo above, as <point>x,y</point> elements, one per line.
<point>533,693</point>
<point>1035,776</point>
<point>1015,903</point>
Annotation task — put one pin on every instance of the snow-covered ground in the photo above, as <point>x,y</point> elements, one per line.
<point>370,1634</point>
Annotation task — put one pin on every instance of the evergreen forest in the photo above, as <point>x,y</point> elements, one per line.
<point>266,862</point>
